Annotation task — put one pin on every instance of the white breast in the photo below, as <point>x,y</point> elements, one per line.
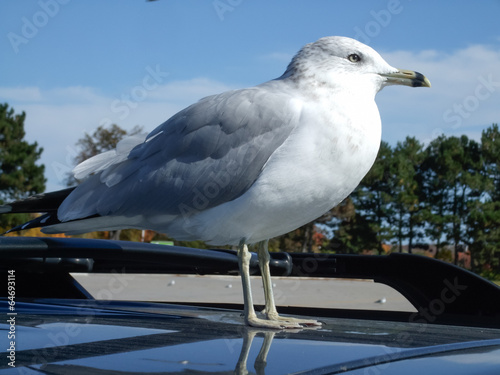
<point>314,170</point>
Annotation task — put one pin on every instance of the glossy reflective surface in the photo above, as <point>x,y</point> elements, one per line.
<point>60,337</point>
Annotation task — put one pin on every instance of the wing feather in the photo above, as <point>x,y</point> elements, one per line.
<point>205,155</point>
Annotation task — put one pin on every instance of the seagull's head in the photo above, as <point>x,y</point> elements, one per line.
<point>340,62</point>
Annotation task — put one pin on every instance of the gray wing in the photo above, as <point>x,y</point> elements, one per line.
<point>205,155</point>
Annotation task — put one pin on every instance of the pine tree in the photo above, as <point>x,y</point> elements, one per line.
<point>484,218</point>
<point>373,199</point>
<point>490,148</point>
<point>20,175</point>
<point>452,184</point>
<point>435,185</point>
<point>407,191</point>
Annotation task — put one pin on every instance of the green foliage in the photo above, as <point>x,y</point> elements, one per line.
<point>388,202</point>
<point>372,199</point>
<point>445,255</point>
<point>447,192</point>
<point>406,190</point>
<point>20,175</point>
<point>452,184</point>
<point>347,236</point>
<point>484,219</point>
<point>490,148</point>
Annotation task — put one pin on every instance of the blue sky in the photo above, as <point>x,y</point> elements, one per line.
<point>73,65</point>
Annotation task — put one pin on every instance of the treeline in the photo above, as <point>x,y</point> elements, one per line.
<point>446,193</point>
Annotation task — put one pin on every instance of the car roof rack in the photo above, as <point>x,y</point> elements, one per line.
<point>440,292</point>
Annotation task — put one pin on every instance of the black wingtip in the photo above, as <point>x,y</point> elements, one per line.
<point>38,222</point>
<point>45,202</point>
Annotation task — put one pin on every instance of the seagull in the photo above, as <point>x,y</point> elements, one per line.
<point>243,166</point>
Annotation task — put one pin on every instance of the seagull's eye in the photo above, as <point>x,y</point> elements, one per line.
<point>354,58</point>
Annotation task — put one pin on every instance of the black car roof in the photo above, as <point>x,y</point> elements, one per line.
<point>61,329</point>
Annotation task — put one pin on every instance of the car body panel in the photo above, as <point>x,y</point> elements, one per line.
<point>87,336</point>
<point>53,325</point>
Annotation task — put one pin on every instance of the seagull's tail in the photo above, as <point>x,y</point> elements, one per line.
<point>46,203</point>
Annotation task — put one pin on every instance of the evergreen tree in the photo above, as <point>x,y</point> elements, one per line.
<point>490,148</point>
<point>407,191</point>
<point>373,199</point>
<point>484,218</point>
<point>435,185</point>
<point>303,239</point>
<point>464,159</point>
<point>484,230</point>
<point>452,184</point>
<point>20,175</point>
<point>448,192</point>
<point>351,233</point>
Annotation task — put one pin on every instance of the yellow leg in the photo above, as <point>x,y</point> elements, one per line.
<point>271,312</point>
<point>251,318</point>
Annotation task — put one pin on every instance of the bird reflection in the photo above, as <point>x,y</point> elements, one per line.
<point>261,360</point>
<point>248,334</point>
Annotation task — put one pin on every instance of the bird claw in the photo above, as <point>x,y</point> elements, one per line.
<point>301,322</point>
<point>273,324</point>
<point>276,321</point>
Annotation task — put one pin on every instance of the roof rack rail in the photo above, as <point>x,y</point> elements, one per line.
<point>440,292</point>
